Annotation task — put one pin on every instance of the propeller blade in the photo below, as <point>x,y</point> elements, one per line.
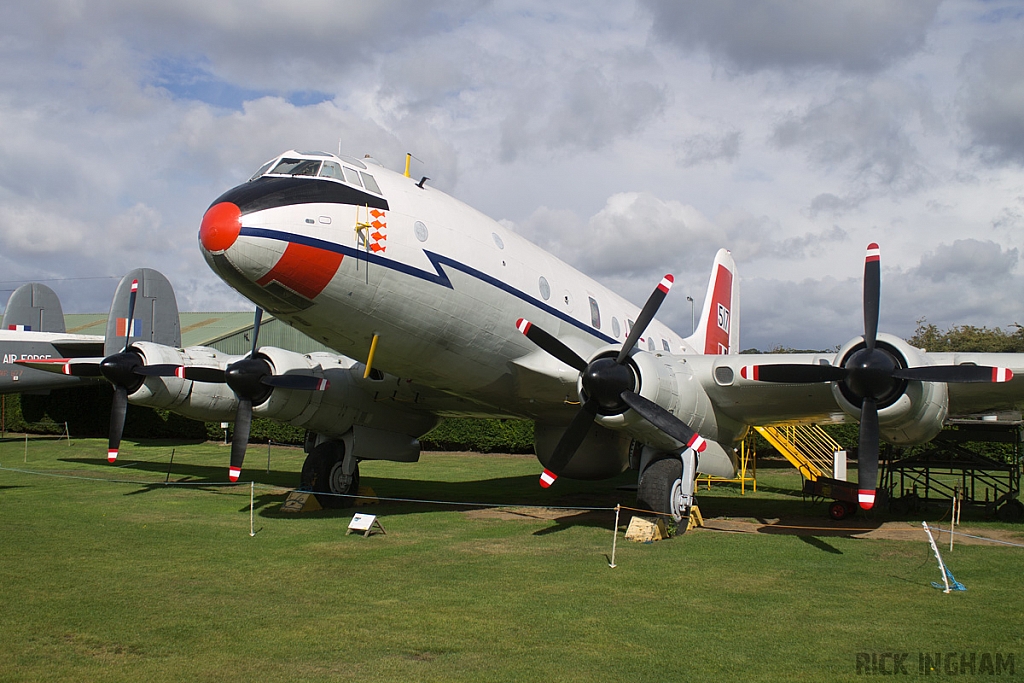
<point>665,421</point>
<point>240,440</point>
<point>117,412</point>
<point>131,314</point>
<point>955,373</point>
<point>195,373</point>
<point>157,370</point>
<point>793,373</point>
<point>198,373</point>
<point>872,291</point>
<point>647,314</point>
<point>867,457</point>
<point>300,382</point>
<point>75,367</point>
<point>568,444</point>
<point>256,330</point>
<point>550,344</point>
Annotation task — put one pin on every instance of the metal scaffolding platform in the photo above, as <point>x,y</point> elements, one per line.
<point>954,464</point>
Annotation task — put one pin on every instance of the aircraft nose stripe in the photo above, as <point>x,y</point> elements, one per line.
<point>220,227</point>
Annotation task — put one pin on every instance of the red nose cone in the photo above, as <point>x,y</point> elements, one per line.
<point>220,227</point>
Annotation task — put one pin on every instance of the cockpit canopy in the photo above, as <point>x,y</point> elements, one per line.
<point>321,165</point>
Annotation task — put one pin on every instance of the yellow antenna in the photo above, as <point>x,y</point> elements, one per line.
<point>408,161</point>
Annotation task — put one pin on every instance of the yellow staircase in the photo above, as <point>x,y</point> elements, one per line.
<point>808,447</point>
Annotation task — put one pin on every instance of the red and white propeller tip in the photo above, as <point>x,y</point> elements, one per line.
<point>234,473</point>
<point>874,253</point>
<point>666,284</point>
<point>1002,374</point>
<point>697,443</point>
<point>523,325</point>
<point>750,372</point>
<point>547,478</point>
<point>866,498</point>
<point>111,454</point>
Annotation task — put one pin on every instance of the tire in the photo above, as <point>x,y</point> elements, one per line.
<point>1011,511</point>
<point>658,489</point>
<point>322,474</point>
<point>838,510</point>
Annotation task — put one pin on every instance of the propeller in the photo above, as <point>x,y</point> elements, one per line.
<point>609,388</point>
<point>251,379</point>
<point>872,375</point>
<point>120,369</point>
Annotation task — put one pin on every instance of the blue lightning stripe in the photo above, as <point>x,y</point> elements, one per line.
<point>438,277</point>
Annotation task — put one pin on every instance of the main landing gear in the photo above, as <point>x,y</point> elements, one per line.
<point>331,473</point>
<point>666,485</point>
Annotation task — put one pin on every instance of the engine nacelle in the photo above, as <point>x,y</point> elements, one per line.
<point>198,400</point>
<point>913,412</point>
<point>349,400</point>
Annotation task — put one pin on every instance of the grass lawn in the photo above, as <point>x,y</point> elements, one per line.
<point>118,581</point>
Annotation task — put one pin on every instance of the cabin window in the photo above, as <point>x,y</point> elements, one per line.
<point>595,314</point>
<point>370,183</point>
<point>297,167</point>
<point>650,344</point>
<point>497,240</point>
<point>615,327</point>
<point>664,345</point>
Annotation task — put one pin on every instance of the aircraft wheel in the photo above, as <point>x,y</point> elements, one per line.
<point>1011,511</point>
<point>838,510</point>
<point>322,472</point>
<point>660,490</point>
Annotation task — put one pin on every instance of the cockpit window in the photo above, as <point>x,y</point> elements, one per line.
<point>297,167</point>
<point>370,183</point>
<point>263,169</point>
<point>352,176</point>
<point>331,169</point>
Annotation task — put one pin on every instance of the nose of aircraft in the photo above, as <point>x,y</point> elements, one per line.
<point>220,227</point>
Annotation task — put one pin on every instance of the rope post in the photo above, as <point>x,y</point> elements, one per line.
<point>268,455</point>
<point>252,498</point>
<point>615,535</point>
<point>935,549</point>
<point>26,448</point>
<point>952,520</point>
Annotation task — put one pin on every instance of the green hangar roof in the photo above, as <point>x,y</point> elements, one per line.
<point>227,332</point>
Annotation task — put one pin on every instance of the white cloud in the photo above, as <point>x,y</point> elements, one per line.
<point>750,35</point>
<point>992,100</point>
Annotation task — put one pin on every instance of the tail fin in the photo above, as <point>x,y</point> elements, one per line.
<point>34,307</point>
<point>156,312</point>
<point>718,331</point>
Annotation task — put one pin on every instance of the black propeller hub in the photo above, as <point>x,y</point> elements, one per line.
<point>870,374</point>
<point>604,380</point>
<point>245,379</point>
<point>119,370</point>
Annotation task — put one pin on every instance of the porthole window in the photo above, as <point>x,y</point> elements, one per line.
<point>497,240</point>
<point>421,231</point>
<point>615,327</point>
<point>595,313</point>
<point>545,288</point>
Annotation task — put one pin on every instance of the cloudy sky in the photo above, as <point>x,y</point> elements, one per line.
<point>631,138</point>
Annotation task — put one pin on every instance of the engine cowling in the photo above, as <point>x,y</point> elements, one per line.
<point>198,400</point>
<point>912,412</point>
<point>349,399</point>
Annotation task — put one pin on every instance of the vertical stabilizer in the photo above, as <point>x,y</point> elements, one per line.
<point>34,307</point>
<point>156,312</point>
<point>718,331</point>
